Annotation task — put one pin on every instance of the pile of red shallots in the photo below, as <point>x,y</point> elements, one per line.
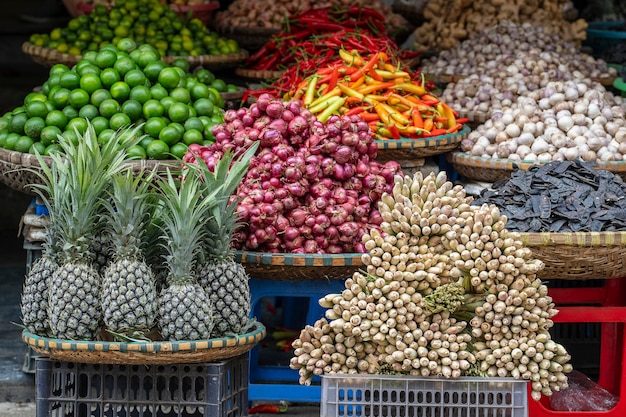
<point>311,187</point>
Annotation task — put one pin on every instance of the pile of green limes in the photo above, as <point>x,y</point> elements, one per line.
<point>116,87</point>
<point>144,21</point>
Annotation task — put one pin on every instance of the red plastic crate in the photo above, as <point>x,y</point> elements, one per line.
<point>605,305</point>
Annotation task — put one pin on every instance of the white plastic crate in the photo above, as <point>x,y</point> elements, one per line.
<point>406,396</point>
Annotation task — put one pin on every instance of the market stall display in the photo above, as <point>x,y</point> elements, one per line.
<point>146,22</point>
<point>114,88</point>
<point>447,290</point>
<point>447,24</point>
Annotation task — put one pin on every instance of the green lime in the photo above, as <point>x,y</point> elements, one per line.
<point>141,93</point>
<point>181,63</point>
<point>158,149</point>
<point>70,112</point>
<point>135,77</point>
<point>178,150</point>
<point>79,98</point>
<point>126,45</point>
<point>30,97</point>
<point>109,76</point>
<point>178,112</point>
<point>70,80</point>
<point>204,75</point>
<point>154,125</point>
<point>58,69</point>
<point>99,96</point>
<point>37,148</point>
<point>135,152</point>
<point>169,78</point>
<point>3,137</point>
<point>36,108</point>
<point>90,83</point>
<point>77,123</point>
<point>194,123</point>
<point>120,91</point>
<point>133,109</point>
<point>11,139</point>
<point>219,85</point>
<point>71,135</point>
<point>23,144</point>
<point>153,69</point>
<point>204,107</point>
<point>147,57</point>
<point>56,118</point>
<point>33,127</point>
<point>119,120</point>
<point>181,94</point>
<point>89,69</point>
<point>123,65</point>
<point>198,91</point>
<point>88,111</point>
<point>59,96</point>
<point>109,107</point>
<point>192,136</point>
<point>216,97</point>
<point>167,102</point>
<point>99,123</point>
<point>170,135</point>
<point>49,134</point>
<point>52,148</point>
<point>105,136</point>
<point>105,58</point>
<point>153,108</point>
<point>17,122</point>
<point>158,92</point>
<point>145,141</point>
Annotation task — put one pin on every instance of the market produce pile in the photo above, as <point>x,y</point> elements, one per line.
<point>394,102</point>
<point>113,88</point>
<point>560,196</point>
<point>272,15</point>
<point>145,21</point>
<point>448,23</point>
<point>491,76</point>
<point>133,254</point>
<point>312,187</point>
<point>447,291</point>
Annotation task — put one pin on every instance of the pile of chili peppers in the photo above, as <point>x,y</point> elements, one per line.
<point>312,38</point>
<point>395,103</point>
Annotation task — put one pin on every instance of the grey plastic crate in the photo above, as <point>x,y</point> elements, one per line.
<point>407,396</point>
<point>218,389</point>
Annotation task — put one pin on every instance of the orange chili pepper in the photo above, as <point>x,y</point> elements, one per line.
<point>369,116</point>
<point>454,128</point>
<point>366,67</point>
<point>416,117</point>
<point>374,87</point>
<point>428,124</point>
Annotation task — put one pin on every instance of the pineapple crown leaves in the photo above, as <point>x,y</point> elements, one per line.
<point>128,210</point>
<point>186,207</point>
<point>71,185</point>
<point>226,177</point>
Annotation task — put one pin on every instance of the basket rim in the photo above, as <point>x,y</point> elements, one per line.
<point>582,239</point>
<point>225,28</point>
<point>298,259</point>
<point>150,348</point>
<point>420,143</point>
<point>465,159</point>
<point>257,74</point>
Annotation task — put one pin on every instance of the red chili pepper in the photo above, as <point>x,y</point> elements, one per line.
<point>355,110</point>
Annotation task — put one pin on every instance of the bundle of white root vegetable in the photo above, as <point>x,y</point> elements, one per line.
<point>446,291</point>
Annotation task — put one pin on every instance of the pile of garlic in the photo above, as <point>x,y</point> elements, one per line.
<point>564,120</point>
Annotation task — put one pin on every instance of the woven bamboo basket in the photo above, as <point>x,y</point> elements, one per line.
<point>494,169</point>
<point>16,168</point>
<point>299,267</point>
<point>251,38</point>
<point>258,75</point>
<point>145,353</point>
<point>49,57</point>
<point>579,255</point>
<point>405,149</point>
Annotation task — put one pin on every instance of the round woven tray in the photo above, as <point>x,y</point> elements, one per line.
<point>50,57</point>
<point>15,173</point>
<point>299,267</point>
<point>258,75</point>
<point>145,353</point>
<point>234,95</point>
<point>403,149</point>
<point>580,255</point>
<point>494,169</point>
<point>247,37</point>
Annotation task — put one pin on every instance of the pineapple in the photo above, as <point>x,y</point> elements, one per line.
<point>129,297</point>
<point>225,280</point>
<point>185,311</point>
<point>72,186</point>
<point>34,299</point>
